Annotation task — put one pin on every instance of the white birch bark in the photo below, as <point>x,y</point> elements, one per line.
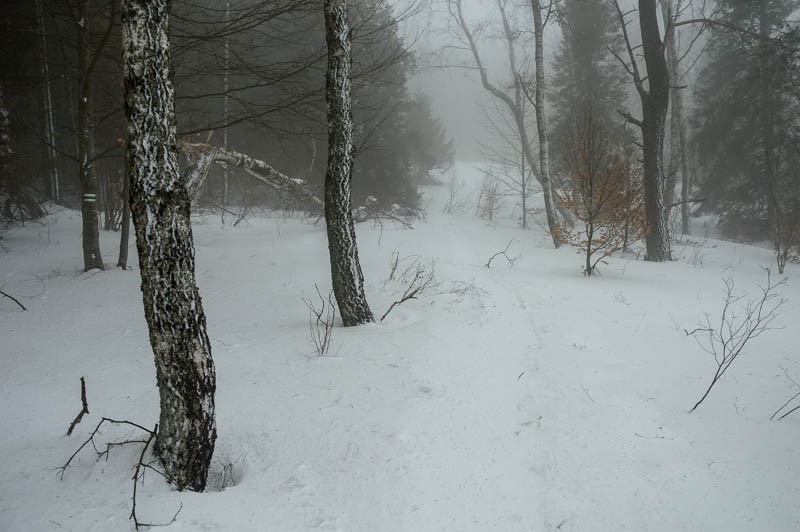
<point>346,274</point>
<point>160,208</point>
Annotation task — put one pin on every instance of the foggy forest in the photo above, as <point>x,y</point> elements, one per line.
<point>400,265</point>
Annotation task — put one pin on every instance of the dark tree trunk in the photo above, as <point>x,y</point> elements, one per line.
<point>655,102</point>
<point>160,208</point>
<point>5,147</point>
<point>51,181</point>
<point>125,226</point>
<point>768,120</point>
<point>348,280</point>
<point>92,258</point>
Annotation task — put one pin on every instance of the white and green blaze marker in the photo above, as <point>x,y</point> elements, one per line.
<point>90,198</point>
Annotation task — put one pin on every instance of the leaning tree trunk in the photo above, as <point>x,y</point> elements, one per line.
<point>160,208</point>
<point>654,112</point>
<point>92,258</point>
<point>541,124</point>
<point>348,280</point>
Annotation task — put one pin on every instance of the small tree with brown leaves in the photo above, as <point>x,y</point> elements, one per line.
<point>602,189</point>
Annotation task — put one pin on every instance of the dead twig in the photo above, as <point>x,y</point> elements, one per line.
<point>84,409</point>
<point>511,261</point>
<point>423,279</point>
<point>139,470</point>
<point>726,341</point>
<point>320,321</point>
<point>14,299</point>
<point>62,469</point>
<point>138,474</point>
<point>787,403</point>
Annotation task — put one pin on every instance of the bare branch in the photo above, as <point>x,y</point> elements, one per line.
<point>727,340</point>
<point>14,299</point>
<point>504,253</point>
<point>84,409</point>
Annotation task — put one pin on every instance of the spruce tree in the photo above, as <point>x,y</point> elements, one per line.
<point>745,126</point>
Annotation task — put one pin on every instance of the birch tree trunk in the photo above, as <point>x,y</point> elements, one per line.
<point>92,258</point>
<point>348,280</point>
<point>541,124</point>
<point>160,208</point>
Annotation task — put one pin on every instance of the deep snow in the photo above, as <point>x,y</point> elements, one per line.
<point>537,399</point>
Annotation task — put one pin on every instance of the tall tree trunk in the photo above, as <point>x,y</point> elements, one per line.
<point>768,119</point>
<point>51,181</point>
<point>348,280</point>
<point>541,124</point>
<point>125,226</point>
<point>655,102</point>
<point>225,103</point>
<point>679,158</point>
<point>678,103</point>
<point>160,207</point>
<point>92,258</point>
<point>5,148</point>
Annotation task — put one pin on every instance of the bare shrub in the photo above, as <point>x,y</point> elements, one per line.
<point>417,278</point>
<point>321,318</point>
<point>455,195</point>
<point>490,198</point>
<point>727,340</point>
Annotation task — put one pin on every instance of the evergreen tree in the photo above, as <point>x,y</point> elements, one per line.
<point>745,127</point>
<point>585,74</point>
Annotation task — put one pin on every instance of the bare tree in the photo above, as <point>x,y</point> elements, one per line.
<point>513,101</point>
<point>346,274</point>
<point>160,207</point>
<point>654,97</point>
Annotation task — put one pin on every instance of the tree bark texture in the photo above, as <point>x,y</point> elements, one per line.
<point>655,102</point>
<point>348,280</point>
<point>541,122</point>
<point>160,207</point>
<point>92,258</point>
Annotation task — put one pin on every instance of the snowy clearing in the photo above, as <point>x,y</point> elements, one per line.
<point>521,397</point>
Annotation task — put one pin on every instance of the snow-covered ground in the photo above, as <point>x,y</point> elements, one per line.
<point>521,397</point>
